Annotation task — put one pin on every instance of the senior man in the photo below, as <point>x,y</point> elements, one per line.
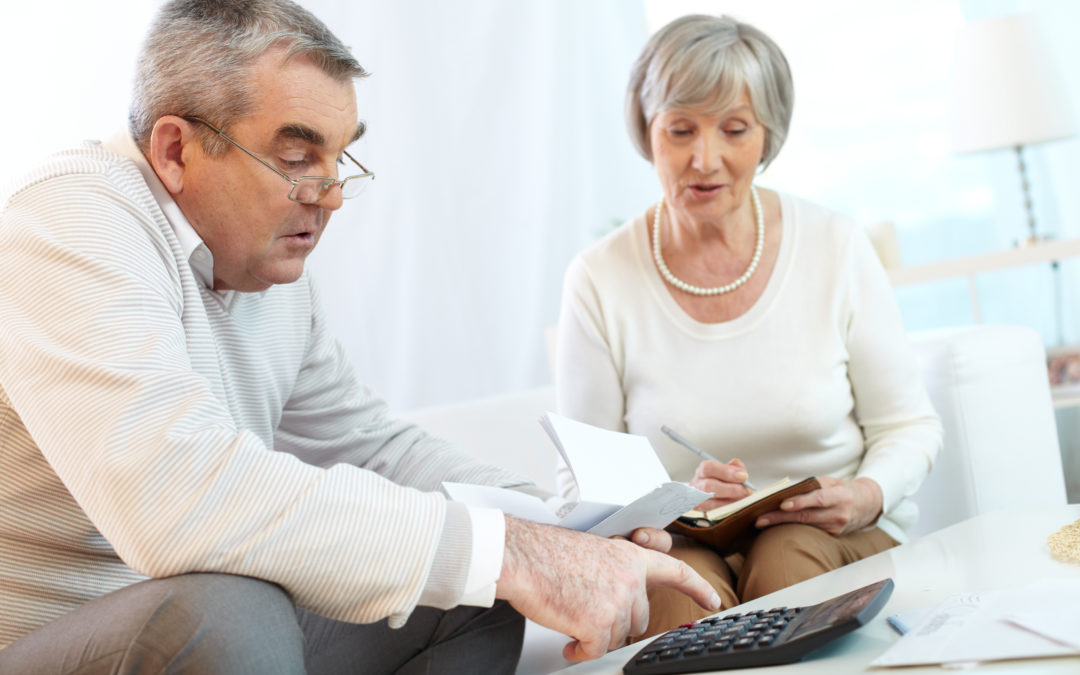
<point>191,478</point>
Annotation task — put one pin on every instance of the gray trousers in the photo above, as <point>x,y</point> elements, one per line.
<point>222,624</point>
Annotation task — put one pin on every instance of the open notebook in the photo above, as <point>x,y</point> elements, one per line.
<point>723,526</point>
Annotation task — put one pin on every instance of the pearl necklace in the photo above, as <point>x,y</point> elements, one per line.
<point>718,290</point>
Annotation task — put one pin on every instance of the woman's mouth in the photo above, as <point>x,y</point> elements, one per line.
<point>706,189</point>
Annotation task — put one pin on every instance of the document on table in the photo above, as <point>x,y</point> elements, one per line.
<point>1042,619</point>
<point>622,484</point>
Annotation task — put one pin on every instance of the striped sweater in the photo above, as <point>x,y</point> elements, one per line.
<point>150,426</point>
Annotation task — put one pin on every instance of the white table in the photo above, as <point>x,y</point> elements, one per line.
<point>1005,549</point>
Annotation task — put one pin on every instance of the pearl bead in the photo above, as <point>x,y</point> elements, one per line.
<point>727,288</point>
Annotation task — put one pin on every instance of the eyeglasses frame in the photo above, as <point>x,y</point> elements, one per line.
<point>328,181</point>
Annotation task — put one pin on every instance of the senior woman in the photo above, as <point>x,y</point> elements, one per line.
<point>759,325</point>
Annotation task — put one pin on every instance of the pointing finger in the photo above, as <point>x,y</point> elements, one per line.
<point>666,571</point>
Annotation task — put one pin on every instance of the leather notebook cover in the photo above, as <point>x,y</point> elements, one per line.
<point>725,533</point>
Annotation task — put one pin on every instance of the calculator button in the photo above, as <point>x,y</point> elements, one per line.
<point>720,645</point>
<point>742,643</point>
<point>668,654</point>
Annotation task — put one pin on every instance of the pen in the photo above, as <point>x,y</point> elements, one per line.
<point>674,435</point>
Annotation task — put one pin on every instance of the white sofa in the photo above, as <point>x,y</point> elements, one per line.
<point>988,383</point>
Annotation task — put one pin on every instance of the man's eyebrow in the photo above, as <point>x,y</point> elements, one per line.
<point>313,136</point>
<point>301,132</point>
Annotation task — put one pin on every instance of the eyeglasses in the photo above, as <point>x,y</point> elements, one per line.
<point>306,189</point>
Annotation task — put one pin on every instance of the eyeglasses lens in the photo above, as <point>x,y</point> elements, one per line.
<point>311,190</point>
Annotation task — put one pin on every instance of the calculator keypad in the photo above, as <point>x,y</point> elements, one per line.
<point>718,634</point>
<point>759,638</point>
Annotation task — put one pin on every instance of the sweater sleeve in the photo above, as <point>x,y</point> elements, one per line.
<point>588,386</point>
<point>903,434</point>
<point>331,418</point>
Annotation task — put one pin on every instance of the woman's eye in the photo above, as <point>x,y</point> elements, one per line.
<point>681,132</point>
<point>735,131</point>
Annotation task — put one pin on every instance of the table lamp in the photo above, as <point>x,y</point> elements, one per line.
<point>1007,94</point>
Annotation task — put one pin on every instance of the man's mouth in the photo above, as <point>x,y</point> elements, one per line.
<point>306,237</point>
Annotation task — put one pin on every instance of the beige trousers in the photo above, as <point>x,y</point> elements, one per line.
<point>776,558</point>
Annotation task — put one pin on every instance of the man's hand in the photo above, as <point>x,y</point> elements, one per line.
<point>839,507</point>
<point>589,588</point>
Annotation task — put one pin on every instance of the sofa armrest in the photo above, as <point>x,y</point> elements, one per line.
<point>503,430</point>
<point>990,386</point>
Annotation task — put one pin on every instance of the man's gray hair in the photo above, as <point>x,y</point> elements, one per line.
<point>704,62</point>
<point>198,55</point>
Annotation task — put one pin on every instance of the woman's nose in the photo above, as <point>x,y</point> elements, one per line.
<point>707,152</point>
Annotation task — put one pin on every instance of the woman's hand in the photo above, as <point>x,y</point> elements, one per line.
<point>839,507</point>
<point>724,481</point>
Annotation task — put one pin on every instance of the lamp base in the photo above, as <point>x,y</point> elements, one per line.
<point>1029,208</point>
<point>1031,240</point>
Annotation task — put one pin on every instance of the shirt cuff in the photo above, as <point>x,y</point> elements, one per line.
<point>488,545</point>
<point>468,559</point>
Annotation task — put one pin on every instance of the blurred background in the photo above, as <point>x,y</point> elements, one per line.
<point>496,133</point>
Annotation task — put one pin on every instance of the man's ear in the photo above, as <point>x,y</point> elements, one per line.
<point>167,145</point>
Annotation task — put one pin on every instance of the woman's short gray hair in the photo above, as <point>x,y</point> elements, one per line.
<point>198,55</point>
<point>701,61</point>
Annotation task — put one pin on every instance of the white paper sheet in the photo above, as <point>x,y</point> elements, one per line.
<point>1064,629</point>
<point>974,627</point>
<point>656,509</point>
<point>622,484</point>
<point>610,467</point>
<point>512,502</point>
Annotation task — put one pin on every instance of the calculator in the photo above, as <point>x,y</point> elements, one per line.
<point>759,638</point>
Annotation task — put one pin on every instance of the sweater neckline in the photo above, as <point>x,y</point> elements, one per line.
<point>742,323</point>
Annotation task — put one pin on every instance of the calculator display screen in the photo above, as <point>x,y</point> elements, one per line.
<point>832,613</point>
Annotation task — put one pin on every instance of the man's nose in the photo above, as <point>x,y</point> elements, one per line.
<point>332,199</point>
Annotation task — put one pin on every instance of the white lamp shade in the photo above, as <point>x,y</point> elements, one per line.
<point>1006,90</point>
